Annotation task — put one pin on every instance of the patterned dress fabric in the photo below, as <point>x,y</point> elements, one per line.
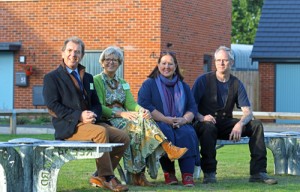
<point>144,150</point>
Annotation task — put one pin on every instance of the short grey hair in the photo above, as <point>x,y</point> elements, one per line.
<point>227,50</point>
<point>112,50</point>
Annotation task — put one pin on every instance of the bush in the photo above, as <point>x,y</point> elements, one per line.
<point>4,121</point>
<point>28,120</point>
<point>42,120</point>
<point>23,120</point>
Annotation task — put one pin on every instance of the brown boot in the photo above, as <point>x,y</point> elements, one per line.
<point>141,180</point>
<point>172,151</point>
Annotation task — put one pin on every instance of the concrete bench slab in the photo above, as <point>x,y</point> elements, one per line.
<point>36,163</point>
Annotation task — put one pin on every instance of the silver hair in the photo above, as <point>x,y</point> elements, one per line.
<point>75,40</point>
<point>112,50</point>
<point>227,50</point>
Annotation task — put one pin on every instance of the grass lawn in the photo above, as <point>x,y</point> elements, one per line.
<point>232,174</point>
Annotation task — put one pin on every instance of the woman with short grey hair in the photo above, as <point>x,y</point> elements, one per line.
<point>121,110</point>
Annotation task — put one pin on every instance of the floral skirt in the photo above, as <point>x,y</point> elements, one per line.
<point>144,150</point>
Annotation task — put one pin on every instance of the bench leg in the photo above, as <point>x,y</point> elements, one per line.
<point>293,155</point>
<point>277,146</point>
<point>197,172</point>
<point>11,173</point>
<point>48,162</point>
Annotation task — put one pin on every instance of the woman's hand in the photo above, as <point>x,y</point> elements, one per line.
<point>146,113</point>
<point>169,120</point>
<point>175,122</point>
<point>179,121</point>
<point>131,115</point>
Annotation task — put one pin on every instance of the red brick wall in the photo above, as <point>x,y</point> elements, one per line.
<point>267,86</point>
<point>139,27</point>
<point>195,28</point>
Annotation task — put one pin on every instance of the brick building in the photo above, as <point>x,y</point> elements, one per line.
<point>32,32</point>
<point>276,48</point>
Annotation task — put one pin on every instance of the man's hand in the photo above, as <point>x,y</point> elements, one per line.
<point>88,117</point>
<point>236,132</point>
<point>209,118</point>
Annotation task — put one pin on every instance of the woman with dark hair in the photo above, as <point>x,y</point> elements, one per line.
<point>172,106</point>
<point>119,108</point>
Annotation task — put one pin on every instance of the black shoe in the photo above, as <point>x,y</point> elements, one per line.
<point>209,178</point>
<point>263,178</point>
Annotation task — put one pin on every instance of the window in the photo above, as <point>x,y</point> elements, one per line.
<point>207,62</point>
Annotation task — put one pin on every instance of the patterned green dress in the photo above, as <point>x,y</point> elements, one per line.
<point>144,150</point>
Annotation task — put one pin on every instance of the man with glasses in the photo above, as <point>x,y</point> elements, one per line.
<point>216,93</point>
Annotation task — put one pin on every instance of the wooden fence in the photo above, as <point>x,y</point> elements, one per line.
<point>20,112</point>
<point>250,80</point>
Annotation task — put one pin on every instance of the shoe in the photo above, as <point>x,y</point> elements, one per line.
<point>263,178</point>
<point>140,179</point>
<point>117,185</point>
<point>95,182</point>
<point>187,180</point>
<point>170,178</point>
<point>172,151</point>
<point>112,185</point>
<point>209,178</point>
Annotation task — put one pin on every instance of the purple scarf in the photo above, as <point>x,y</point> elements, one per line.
<point>173,105</point>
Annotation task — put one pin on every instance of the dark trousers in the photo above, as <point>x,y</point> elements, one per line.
<point>208,133</point>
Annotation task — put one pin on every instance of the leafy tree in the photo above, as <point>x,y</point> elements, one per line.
<point>245,18</point>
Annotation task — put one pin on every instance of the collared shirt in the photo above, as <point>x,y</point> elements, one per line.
<point>70,71</point>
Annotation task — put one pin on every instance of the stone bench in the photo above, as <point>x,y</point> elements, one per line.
<point>33,164</point>
<point>285,147</point>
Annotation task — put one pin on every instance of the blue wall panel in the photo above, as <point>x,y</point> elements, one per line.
<point>6,80</point>
<point>288,90</point>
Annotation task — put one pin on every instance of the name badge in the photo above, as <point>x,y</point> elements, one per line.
<point>91,86</point>
<point>126,86</point>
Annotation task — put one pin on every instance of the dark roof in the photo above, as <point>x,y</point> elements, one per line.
<point>278,34</point>
<point>15,46</point>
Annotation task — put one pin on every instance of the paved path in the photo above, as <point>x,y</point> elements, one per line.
<point>35,129</point>
<point>273,127</point>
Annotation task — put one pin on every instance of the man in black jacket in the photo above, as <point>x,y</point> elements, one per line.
<point>71,99</point>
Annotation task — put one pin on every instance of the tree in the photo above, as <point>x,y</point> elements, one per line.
<point>245,18</point>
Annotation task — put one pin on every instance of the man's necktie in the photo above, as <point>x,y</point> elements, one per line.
<point>75,74</point>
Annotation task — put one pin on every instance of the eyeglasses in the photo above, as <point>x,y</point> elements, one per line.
<point>222,61</point>
<point>108,60</point>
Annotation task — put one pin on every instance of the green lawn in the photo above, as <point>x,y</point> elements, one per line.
<point>233,173</point>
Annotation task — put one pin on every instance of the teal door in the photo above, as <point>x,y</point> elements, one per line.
<point>6,80</point>
<point>287,90</point>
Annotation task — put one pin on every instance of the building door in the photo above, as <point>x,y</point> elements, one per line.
<point>6,80</point>
<point>287,90</point>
